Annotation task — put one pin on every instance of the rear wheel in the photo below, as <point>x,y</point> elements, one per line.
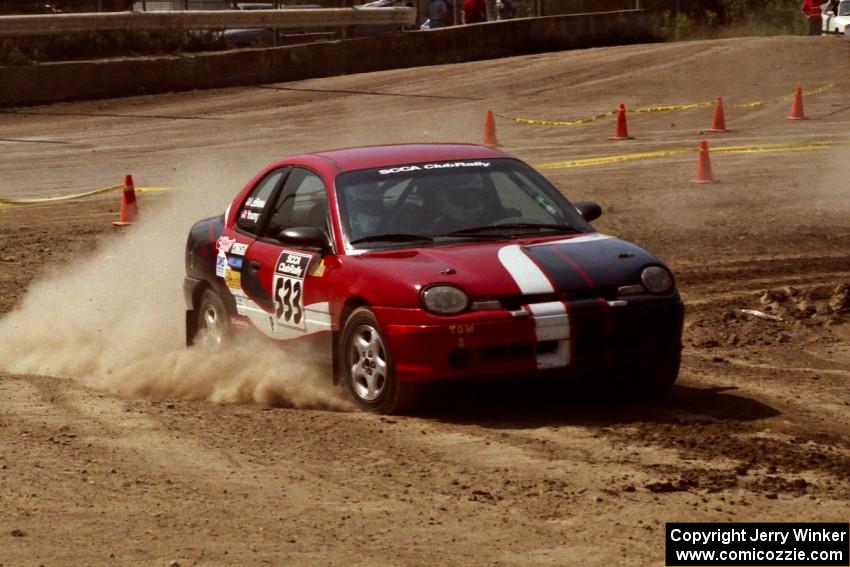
<point>368,369</point>
<point>213,321</point>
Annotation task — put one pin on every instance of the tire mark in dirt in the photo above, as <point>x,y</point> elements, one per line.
<point>107,422</point>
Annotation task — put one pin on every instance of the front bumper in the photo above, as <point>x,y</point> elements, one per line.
<point>579,335</point>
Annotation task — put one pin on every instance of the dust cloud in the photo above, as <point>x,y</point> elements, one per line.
<point>114,319</point>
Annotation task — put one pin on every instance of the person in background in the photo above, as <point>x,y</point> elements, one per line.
<point>811,9</point>
<point>474,11</point>
<point>506,9</point>
<point>438,14</point>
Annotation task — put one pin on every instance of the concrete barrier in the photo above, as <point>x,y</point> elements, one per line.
<point>53,24</point>
<point>52,82</point>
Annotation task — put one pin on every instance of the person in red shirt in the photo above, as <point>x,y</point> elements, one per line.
<point>475,11</point>
<point>811,9</point>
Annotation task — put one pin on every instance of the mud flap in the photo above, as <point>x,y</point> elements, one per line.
<point>191,327</point>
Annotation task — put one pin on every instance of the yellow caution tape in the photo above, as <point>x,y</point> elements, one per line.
<point>38,201</point>
<point>762,148</point>
<point>826,87</point>
<point>42,200</point>
<point>765,148</point>
<point>556,122</point>
<point>605,160</point>
<point>672,107</point>
<point>567,164</point>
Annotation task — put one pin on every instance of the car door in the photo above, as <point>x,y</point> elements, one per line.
<point>235,240</point>
<point>286,286</point>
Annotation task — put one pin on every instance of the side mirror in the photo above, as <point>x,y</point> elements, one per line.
<point>305,237</point>
<point>589,210</point>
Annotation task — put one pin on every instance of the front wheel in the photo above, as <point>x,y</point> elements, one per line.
<point>368,368</point>
<point>654,380</point>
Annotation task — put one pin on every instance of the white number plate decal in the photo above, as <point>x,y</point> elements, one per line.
<point>288,289</point>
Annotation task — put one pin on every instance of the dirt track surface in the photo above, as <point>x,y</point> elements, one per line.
<point>516,474</point>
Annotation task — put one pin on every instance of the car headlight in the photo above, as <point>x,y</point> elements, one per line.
<point>657,279</point>
<point>444,299</point>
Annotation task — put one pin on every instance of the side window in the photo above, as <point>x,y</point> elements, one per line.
<point>252,208</point>
<point>302,202</point>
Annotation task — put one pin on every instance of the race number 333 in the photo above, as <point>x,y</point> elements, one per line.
<point>288,289</point>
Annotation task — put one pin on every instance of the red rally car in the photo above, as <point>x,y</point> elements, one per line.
<point>427,262</point>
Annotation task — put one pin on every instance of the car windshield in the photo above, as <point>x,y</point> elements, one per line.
<point>844,9</point>
<point>447,201</point>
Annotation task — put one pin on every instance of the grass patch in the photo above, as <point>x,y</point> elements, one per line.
<point>731,18</point>
<point>105,44</point>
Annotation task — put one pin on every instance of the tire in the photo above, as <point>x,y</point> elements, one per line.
<point>367,367</point>
<point>213,323</point>
<point>655,379</point>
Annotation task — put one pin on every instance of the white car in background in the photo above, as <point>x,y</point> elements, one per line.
<point>260,37</point>
<point>836,19</point>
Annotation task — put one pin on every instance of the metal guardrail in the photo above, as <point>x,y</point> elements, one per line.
<point>33,25</point>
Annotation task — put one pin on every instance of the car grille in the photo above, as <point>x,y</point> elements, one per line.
<point>514,302</point>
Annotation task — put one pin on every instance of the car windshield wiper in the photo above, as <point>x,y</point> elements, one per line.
<point>392,237</point>
<point>564,228</point>
<point>473,234</point>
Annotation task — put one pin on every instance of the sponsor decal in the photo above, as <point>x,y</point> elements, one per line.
<point>288,290</point>
<point>250,215</point>
<point>255,203</point>
<point>232,279</point>
<point>430,166</point>
<point>235,262</point>
<point>292,264</point>
<point>239,249</point>
<point>318,269</point>
<point>316,318</point>
<point>224,244</point>
<point>466,329</point>
<point>240,304</point>
<point>546,206</point>
<point>240,323</point>
<point>220,265</point>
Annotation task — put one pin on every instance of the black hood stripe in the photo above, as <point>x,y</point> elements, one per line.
<point>560,251</point>
<point>586,265</point>
<point>561,270</point>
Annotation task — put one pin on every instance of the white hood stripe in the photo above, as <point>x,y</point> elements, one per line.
<point>575,240</point>
<point>528,276</point>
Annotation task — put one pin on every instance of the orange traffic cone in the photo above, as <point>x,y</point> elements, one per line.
<point>718,120</point>
<point>129,209</point>
<point>621,132</point>
<point>490,130</point>
<point>703,165</point>
<point>797,106</point>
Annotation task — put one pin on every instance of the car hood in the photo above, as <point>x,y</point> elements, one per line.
<point>577,264</point>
